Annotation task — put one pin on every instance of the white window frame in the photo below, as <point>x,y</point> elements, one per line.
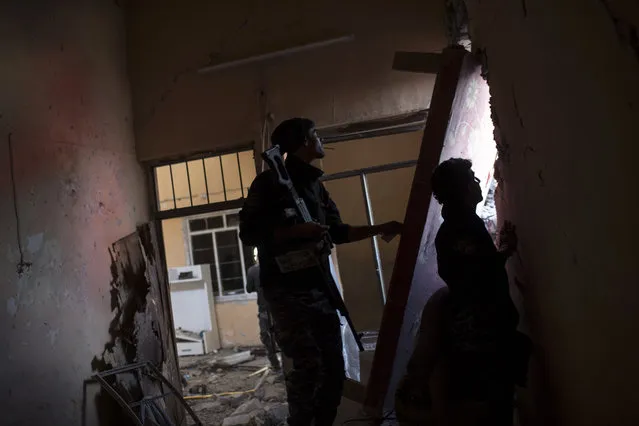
<point>220,298</point>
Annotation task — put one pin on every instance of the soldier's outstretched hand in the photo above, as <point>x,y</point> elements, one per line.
<point>390,230</point>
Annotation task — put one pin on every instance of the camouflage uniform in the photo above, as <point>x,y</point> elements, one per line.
<point>306,324</point>
<point>263,315</point>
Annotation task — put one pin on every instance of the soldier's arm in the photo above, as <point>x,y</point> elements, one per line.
<point>338,230</point>
<point>342,233</point>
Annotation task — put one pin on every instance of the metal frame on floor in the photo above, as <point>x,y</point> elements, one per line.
<point>147,405</point>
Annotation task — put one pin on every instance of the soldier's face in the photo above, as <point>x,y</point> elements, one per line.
<point>315,144</point>
<point>475,189</point>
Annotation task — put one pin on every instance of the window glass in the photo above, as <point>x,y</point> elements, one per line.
<point>230,262</point>
<point>164,188</point>
<point>197,225</point>
<point>215,222</point>
<point>215,241</point>
<point>208,180</point>
<point>204,254</point>
<point>233,220</point>
<point>198,184</point>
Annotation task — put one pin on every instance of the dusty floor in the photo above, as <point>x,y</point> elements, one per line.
<point>238,403</point>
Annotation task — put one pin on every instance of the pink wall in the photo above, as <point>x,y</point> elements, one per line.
<point>565,90</point>
<point>65,100</point>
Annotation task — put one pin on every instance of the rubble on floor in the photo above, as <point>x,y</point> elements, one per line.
<point>234,359</point>
<point>232,388</point>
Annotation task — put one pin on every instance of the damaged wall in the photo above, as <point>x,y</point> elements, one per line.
<point>65,106</point>
<point>178,111</point>
<point>238,323</point>
<point>565,92</point>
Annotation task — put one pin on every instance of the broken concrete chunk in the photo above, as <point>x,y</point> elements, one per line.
<point>200,389</point>
<point>234,359</point>
<point>242,420</point>
<point>213,406</point>
<point>276,414</point>
<point>275,393</point>
<point>248,407</point>
<point>234,401</point>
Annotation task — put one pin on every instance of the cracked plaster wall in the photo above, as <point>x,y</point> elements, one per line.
<point>65,101</point>
<point>564,78</point>
<point>178,111</point>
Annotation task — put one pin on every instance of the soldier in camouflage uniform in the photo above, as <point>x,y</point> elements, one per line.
<point>306,323</point>
<point>263,315</point>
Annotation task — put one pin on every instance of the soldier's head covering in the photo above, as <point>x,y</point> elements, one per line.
<point>292,133</point>
<point>450,180</point>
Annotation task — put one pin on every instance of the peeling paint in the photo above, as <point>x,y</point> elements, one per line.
<point>12,307</point>
<point>53,336</point>
<point>140,328</point>
<point>23,266</point>
<point>627,33</point>
<point>540,176</point>
<point>34,243</point>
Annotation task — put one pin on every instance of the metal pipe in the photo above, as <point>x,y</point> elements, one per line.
<point>369,170</point>
<point>375,244</point>
<point>148,399</point>
<point>223,182</point>
<point>277,54</point>
<point>173,187</point>
<point>206,182</point>
<point>239,172</point>
<point>188,181</point>
<point>120,370</point>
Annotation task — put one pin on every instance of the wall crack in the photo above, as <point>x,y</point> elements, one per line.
<point>540,176</point>
<point>22,267</point>
<point>627,33</point>
<point>516,106</point>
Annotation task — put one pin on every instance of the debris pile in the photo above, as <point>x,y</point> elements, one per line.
<point>255,413</point>
<point>234,387</point>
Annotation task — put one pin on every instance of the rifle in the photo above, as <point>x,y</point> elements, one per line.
<point>273,158</point>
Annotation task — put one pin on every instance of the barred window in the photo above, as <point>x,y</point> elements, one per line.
<point>207,180</point>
